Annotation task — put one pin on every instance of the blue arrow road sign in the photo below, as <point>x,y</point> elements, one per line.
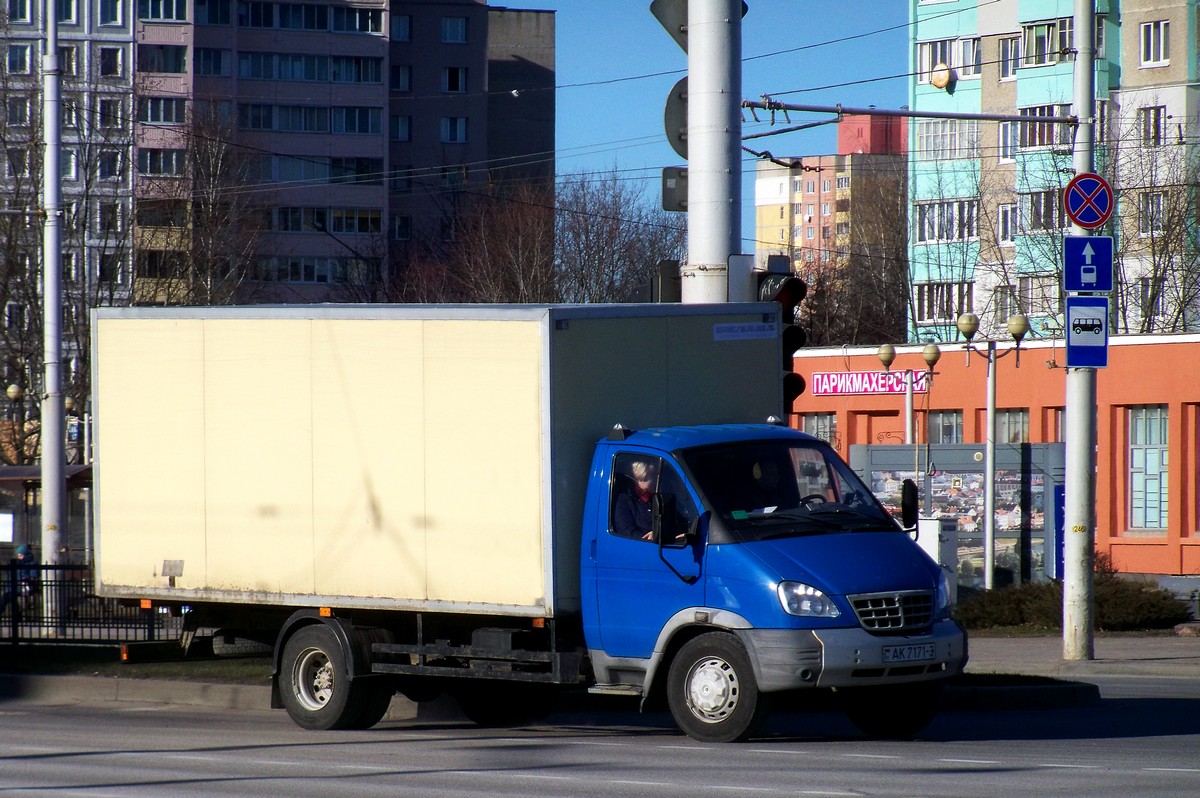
<point>1087,332</point>
<point>1087,263</point>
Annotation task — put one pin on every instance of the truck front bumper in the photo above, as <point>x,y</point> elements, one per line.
<point>786,659</point>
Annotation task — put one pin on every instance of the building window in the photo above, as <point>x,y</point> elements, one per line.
<point>1039,294</point>
<point>108,218</point>
<point>821,425</point>
<point>400,227</point>
<point>1012,426</point>
<point>68,164</point>
<point>401,78</point>
<point>359,120</point>
<point>18,111</point>
<point>110,269</point>
<point>945,426</point>
<point>211,62</point>
<point>454,80</point>
<point>1150,212</point>
<point>111,62</point>
<point>1101,127</point>
<point>1040,130</point>
<point>843,181</point>
<point>1150,295</point>
<point>930,54</point>
<point>18,10</point>
<point>939,139</point>
<point>161,163</point>
<point>1156,43</point>
<point>163,10</point>
<point>1004,303</point>
<point>970,58</point>
<point>262,15</point>
<point>400,127</point>
<point>1041,211</point>
<point>1153,121</point>
<point>1148,459</point>
<point>1006,225</point>
<point>108,165</point>
<point>66,11</point>
<point>303,16</point>
<point>19,61</point>
<point>110,114</point>
<point>400,179</point>
<point>67,60</point>
<point>213,12</point>
<point>1008,140</point>
<point>401,27</point>
<point>164,58</point>
<point>1048,41</point>
<point>357,20</point>
<point>1010,56</point>
<point>454,129</point>
<point>18,162</point>
<point>162,110</point>
<point>943,302</point>
<point>950,220</point>
<point>111,12</point>
<point>454,30</point>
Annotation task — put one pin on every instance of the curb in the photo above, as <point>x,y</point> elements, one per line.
<point>248,697</point>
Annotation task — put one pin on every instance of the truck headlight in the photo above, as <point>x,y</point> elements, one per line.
<point>804,600</point>
<point>942,607</point>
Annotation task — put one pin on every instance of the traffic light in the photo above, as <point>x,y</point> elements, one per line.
<point>788,290</point>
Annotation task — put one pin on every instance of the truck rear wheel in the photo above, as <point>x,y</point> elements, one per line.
<point>314,682</point>
<point>712,691</point>
<point>896,712</point>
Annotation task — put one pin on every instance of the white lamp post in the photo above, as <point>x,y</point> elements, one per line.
<point>1018,327</point>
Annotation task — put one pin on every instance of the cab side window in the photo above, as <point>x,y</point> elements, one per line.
<point>636,478</point>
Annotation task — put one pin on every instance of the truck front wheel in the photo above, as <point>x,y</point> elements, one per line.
<point>314,685</point>
<point>712,691</point>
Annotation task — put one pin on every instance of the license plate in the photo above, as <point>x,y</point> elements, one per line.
<point>916,652</point>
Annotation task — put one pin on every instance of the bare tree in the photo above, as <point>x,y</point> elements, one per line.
<point>609,238</point>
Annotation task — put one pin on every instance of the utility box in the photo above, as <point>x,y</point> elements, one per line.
<point>939,538</point>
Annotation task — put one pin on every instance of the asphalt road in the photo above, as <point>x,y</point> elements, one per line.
<point>1141,740</point>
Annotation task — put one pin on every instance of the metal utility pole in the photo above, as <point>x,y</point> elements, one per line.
<point>1079,523</point>
<point>53,433</point>
<point>710,32</point>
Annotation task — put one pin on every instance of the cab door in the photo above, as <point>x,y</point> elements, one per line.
<point>639,585</point>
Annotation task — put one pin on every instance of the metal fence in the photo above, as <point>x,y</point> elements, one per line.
<point>58,603</point>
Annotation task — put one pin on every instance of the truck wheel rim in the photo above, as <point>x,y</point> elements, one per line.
<point>712,690</point>
<point>313,679</point>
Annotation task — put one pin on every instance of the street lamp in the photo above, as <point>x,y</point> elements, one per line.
<point>1018,327</point>
<point>887,355</point>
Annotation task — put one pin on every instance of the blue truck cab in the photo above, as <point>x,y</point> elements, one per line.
<point>724,565</point>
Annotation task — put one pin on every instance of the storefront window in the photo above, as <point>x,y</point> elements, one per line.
<point>821,425</point>
<point>945,426</point>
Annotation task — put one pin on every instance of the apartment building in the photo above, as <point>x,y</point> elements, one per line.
<point>985,198</point>
<point>244,150</point>
<point>819,210</point>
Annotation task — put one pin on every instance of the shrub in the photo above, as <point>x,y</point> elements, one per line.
<point>1120,605</point>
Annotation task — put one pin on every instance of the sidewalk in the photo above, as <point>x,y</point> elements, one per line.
<point>1134,655</point>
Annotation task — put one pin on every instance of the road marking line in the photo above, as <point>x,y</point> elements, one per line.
<point>1173,770</point>
<point>972,761</point>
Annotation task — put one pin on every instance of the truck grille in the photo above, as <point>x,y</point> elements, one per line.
<point>894,613</point>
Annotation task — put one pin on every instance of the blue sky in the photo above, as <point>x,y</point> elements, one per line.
<point>793,46</point>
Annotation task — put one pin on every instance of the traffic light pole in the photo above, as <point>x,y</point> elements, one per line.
<point>1079,522</point>
<point>714,37</point>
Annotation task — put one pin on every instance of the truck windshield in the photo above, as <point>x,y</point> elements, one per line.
<point>773,488</point>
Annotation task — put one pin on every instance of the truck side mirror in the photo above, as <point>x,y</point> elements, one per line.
<point>667,530</point>
<point>908,504</point>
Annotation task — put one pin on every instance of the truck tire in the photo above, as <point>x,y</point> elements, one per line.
<point>712,691</point>
<point>896,712</point>
<point>313,682</point>
<point>378,698</point>
<point>495,704</point>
